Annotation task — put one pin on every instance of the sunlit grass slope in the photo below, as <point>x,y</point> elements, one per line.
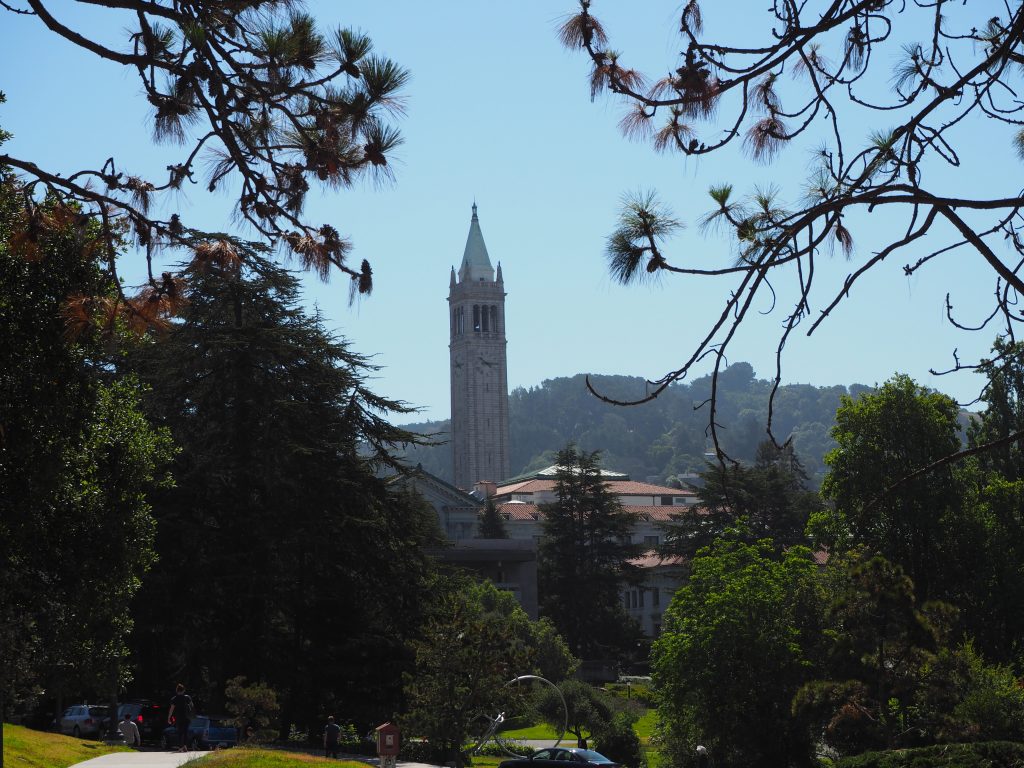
<point>25,748</point>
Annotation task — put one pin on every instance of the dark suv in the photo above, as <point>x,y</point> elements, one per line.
<point>150,717</point>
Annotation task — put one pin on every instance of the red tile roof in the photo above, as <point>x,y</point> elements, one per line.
<point>634,488</point>
<point>527,486</point>
<point>618,487</point>
<point>526,512</point>
<point>518,510</point>
<point>652,559</point>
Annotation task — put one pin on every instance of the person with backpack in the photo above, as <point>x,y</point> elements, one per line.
<point>181,712</point>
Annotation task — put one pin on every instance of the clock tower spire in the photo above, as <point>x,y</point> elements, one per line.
<point>479,377</point>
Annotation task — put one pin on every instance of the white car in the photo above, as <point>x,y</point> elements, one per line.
<point>82,720</point>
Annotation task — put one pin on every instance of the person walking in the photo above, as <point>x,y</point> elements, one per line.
<point>180,714</point>
<point>130,731</point>
<point>331,733</point>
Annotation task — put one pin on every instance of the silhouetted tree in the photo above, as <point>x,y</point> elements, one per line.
<point>254,91</point>
<point>812,80</point>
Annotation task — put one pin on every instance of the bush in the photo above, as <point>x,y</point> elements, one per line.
<point>619,742</point>
<point>983,754</point>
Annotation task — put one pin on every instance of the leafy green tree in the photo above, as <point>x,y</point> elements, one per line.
<point>584,559</point>
<point>737,643</point>
<point>552,659</point>
<point>589,710</point>
<point>491,524</point>
<point>252,705</point>
<point>310,567</point>
<point>1004,411</point>
<point>77,460</point>
<point>883,438</point>
<point>475,640</point>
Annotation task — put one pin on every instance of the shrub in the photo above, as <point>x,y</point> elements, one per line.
<point>619,742</point>
<point>982,754</point>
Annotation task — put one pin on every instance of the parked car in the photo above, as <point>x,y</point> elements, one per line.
<point>561,757</point>
<point>83,720</point>
<point>203,733</point>
<point>150,717</point>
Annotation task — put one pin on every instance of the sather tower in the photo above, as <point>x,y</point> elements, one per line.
<point>476,302</point>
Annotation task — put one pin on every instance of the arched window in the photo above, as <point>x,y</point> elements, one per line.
<point>476,318</point>
<point>486,319</point>
<point>494,318</point>
<point>462,321</point>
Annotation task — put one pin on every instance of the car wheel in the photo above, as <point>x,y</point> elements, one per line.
<point>76,732</point>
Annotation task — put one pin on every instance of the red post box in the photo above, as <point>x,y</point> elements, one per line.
<point>389,740</point>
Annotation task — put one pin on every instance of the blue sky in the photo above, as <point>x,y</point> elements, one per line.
<point>498,112</point>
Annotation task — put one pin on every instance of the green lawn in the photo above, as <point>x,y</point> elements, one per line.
<point>25,748</point>
<point>271,758</point>
<point>541,731</point>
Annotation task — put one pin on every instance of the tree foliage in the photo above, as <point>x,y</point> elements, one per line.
<point>882,438</point>
<point>737,643</point>
<point>770,497</point>
<point>490,523</point>
<point>584,559</point>
<point>279,519</point>
<point>929,75</point>
<point>77,460</point>
<point>587,709</point>
<point>475,640</point>
<point>257,93</point>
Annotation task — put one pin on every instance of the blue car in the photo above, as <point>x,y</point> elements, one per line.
<point>203,733</point>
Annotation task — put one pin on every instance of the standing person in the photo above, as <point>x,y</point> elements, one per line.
<point>180,714</point>
<point>331,733</point>
<point>130,731</point>
<point>703,759</point>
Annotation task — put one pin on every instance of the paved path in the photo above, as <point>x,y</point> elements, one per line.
<point>141,760</point>
<point>175,759</point>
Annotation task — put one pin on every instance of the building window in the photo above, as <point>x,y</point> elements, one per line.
<point>476,318</point>
<point>666,501</point>
<point>655,596</point>
<point>640,597</point>
<point>485,317</point>
<point>650,541</point>
<point>494,318</point>
<point>625,599</point>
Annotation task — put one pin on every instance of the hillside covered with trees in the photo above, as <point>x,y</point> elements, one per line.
<point>663,440</point>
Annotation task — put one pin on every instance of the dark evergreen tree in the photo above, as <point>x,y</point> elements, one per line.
<point>771,495</point>
<point>584,560</point>
<point>491,524</point>
<point>285,557</point>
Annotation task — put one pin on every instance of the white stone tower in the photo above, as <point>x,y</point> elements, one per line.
<point>479,373</point>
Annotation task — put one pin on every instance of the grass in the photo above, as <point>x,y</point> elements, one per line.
<point>246,757</point>
<point>25,748</point>
<point>540,731</point>
<point>644,727</point>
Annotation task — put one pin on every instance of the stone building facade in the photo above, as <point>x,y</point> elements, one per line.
<point>479,370</point>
